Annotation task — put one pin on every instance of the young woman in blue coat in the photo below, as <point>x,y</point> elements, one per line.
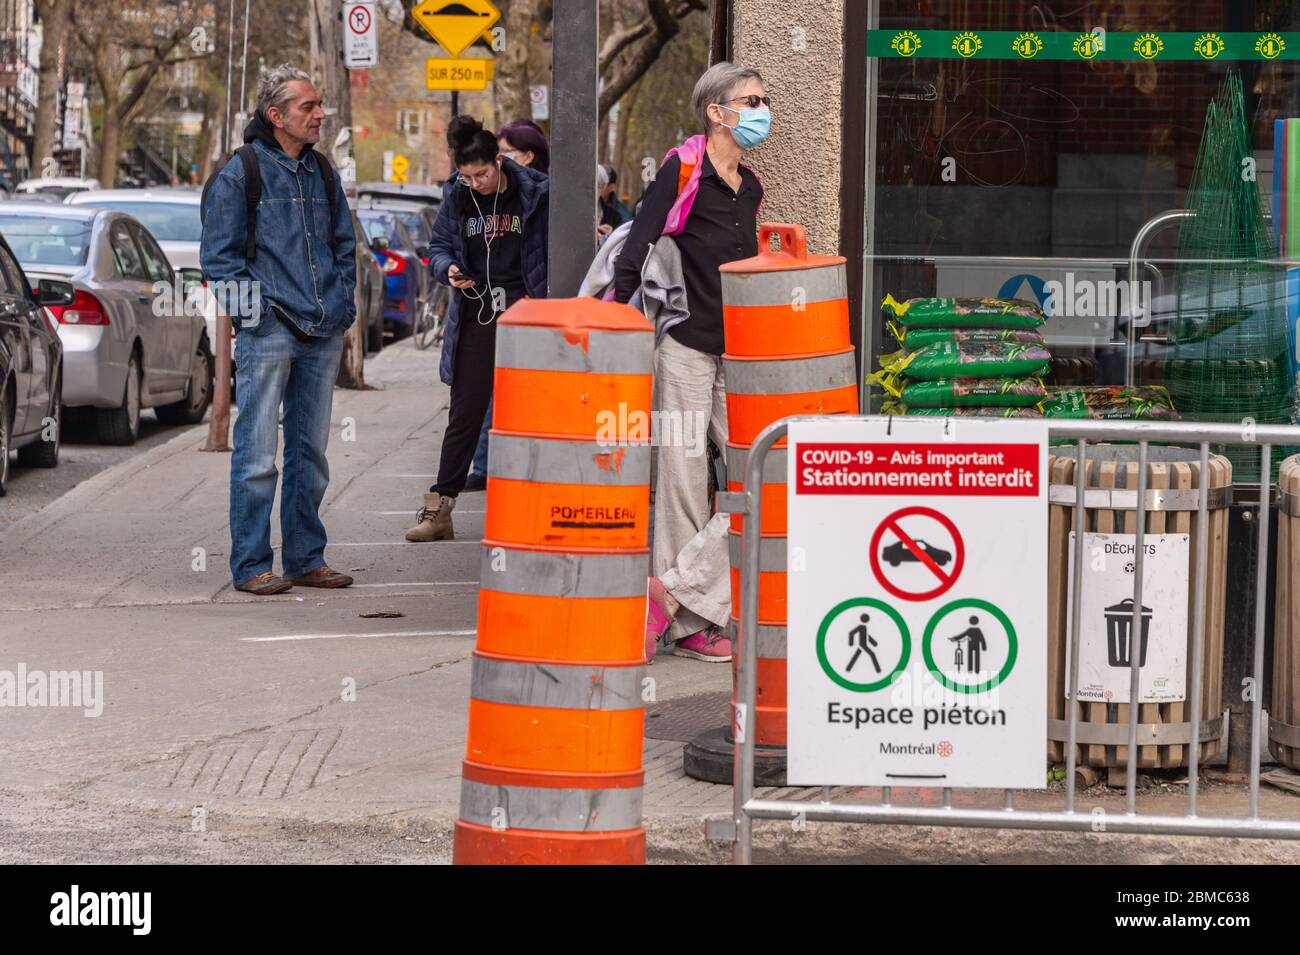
<point>489,243</point>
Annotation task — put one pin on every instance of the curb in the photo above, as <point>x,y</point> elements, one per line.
<point>33,524</point>
<point>192,438</point>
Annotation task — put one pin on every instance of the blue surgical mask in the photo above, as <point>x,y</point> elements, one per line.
<point>753,126</point>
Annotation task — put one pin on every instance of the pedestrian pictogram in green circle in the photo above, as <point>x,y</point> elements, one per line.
<point>888,678</point>
<point>928,656</point>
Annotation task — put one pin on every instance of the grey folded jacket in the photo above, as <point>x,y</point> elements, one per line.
<point>662,294</point>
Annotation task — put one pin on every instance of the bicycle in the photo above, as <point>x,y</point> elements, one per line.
<point>431,319</point>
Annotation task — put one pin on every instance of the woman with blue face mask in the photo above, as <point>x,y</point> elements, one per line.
<point>705,200</point>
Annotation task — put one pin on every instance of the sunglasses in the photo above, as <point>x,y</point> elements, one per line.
<point>753,102</point>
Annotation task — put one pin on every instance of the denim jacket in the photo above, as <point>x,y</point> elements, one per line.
<point>295,266</point>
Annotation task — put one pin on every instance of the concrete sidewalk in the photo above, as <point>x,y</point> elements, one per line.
<point>294,728</point>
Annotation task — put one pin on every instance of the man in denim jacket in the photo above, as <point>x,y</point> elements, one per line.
<point>288,348</point>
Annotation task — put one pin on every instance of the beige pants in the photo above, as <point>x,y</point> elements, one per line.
<point>690,542</point>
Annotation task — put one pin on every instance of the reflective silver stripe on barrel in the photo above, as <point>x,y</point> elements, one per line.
<point>545,574</point>
<point>777,288</point>
<point>568,462</point>
<point>771,639</point>
<point>560,685</point>
<point>789,376</point>
<point>561,810</point>
<point>771,552</point>
<point>607,353</point>
<point>774,465</point>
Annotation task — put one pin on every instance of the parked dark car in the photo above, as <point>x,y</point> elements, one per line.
<point>417,217</point>
<point>31,367</point>
<point>407,282</point>
<point>898,552</point>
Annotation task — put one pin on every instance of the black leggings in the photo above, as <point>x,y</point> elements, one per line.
<point>471,392</point>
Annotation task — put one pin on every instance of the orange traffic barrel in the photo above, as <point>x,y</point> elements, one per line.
<point>771,575</point>
<point>559,492</point>
<point>763,390</point>
<point>574,366</point>
<point>770,700</point>
<point>772,520</point>
<point>768,313</point>
<point>552,770</point>
<point>788,352</point>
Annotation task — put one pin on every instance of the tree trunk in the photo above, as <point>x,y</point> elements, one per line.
<point>54,23</point>
<point>203,147</point>
<point>110,143</point>
<point>510,84</point>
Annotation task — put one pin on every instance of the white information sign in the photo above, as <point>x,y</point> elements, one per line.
<point>1106,617</point>
<point>360,35</point>
<point>918,609</point>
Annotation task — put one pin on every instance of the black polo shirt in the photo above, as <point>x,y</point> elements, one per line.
<point>722,227</point>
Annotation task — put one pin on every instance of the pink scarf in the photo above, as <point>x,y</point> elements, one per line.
<point>691,155</point>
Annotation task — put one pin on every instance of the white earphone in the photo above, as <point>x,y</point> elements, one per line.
<point>483,296</point>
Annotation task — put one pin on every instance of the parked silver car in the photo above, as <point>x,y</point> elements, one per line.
<point>171,214</point>
<point>125,347</point>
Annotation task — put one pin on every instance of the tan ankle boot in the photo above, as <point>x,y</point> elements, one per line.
<point>434,519</point>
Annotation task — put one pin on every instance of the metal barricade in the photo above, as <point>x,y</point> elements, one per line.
<point>747,808</point>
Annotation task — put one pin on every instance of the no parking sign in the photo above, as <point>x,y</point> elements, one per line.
<point>917,620</point>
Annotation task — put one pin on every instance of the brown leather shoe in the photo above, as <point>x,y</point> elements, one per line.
<point>323,576</point>
<point>265,584</point>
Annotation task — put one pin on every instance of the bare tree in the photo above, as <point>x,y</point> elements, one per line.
<point>53,15</point>
<point>129,49</point>
<point>630,50</point>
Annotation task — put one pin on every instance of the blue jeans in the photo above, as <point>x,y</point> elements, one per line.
<point>272,366</point>
<point>481,452</point>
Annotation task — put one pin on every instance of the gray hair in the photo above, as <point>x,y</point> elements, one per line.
<point>716,86</point>
<point>273,87</point>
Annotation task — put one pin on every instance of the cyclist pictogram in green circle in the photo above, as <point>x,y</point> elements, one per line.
<point>927,653</point>
<point>903,633</point>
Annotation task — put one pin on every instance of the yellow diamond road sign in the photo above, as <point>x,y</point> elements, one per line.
<point>455,24</point>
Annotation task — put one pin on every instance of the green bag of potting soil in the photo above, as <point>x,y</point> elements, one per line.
<point>902,408</point>
<point>913,338</point>
<point>964,312</point>
<point>962,360</point>
<point>1112,402</point>
<point>972,392</point>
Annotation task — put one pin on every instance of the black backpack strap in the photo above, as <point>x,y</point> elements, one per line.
<point>252,196</point>
<point>328,177</point>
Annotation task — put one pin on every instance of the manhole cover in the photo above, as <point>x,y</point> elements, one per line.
<point>687,717</point>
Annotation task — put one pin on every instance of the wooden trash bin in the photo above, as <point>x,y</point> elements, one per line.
<point>1284,711</point>
<point>1173,481</point>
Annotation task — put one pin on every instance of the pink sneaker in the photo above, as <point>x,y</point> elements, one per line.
<point>657,619</point>
<point>711,646</point>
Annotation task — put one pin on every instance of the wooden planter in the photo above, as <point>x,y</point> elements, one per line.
<point>1102,731</point>
<point>1284,713</point>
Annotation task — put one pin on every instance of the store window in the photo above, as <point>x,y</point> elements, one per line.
<point>1018,150</point>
